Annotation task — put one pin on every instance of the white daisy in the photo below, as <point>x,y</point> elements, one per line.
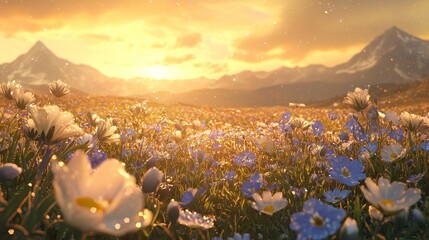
<point>411,122</point>
<point>392,152</point>
<point>358,100</point>
<point>268,203</point>
<point>390,198</point>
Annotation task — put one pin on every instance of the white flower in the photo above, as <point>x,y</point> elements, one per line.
<point>424,128</point>
<point>349,230</point>
<point>7,89</point>
<point>51,124</point>
<point>107,200</point>
<point>265,144</point>
<point>390,198</point>
<point>105,132</point>
<point>300,123</point>
<point>86,138</point>
<point>59,88</point>
<point>392,152</point>
<point>411,121</point>
<point>9,171</point>
<point>358,100</point>
<point>392,117</point>
<point>195,220</point>
<point>268,203</point>
<point>22,99</point>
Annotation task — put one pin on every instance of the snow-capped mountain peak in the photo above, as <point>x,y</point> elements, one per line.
<point>393,45</point>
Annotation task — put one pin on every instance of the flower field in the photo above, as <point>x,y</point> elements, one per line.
<point>122,168</point>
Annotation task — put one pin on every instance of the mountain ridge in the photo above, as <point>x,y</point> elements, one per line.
<point>395,56</point>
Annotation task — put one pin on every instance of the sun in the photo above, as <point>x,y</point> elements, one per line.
<point>158,72</point>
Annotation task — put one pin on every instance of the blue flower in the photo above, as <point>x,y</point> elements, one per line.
<point>317,128</point>
<point>317,220</point>
<point>416,178</point>
<point>372,147</point>
<point>189,196</point>
<point>245,159</point>
<point>253,185</point>
<point>425,146</point>
<point>286,116</point>
<point>336,195</point>
<point>345,171</point>
<point>397,134</point>
<point>332,116</point>
<point>298,192</point>
<point>356,129</point>
<point>284,122</point>
<point>96,157</point>
<point>229,176</point>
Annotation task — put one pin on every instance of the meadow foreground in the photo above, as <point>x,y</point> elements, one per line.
<point>123,168</point>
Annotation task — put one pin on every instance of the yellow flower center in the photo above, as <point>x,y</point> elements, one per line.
<point>91,204</point>
<point>387,203</point>
<point>269,209</point>
<point>393,155</point>
<point>345,172</point>
<point>317,220</point>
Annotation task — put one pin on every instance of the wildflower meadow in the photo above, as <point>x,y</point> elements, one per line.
<point>87,167</point>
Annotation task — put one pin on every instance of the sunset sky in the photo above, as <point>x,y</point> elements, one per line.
<point>191,38</point>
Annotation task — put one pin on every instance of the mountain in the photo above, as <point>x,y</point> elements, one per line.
<point>39,66</point>
<point>250,80</point>
<point>394,56</point>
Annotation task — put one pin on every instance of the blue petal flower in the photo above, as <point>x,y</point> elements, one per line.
<point>245,159</point>
<point>356,129</point>
<point>317,220</point>
<point>345,171</point>
<point>336,195</point>
<point>317,128</point>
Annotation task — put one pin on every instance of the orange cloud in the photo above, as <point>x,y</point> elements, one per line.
<point>189,40</point>
<point>305,26</point>
<point>97,37</point>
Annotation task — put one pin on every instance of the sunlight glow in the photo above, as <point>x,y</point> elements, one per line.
<point>158,72</point>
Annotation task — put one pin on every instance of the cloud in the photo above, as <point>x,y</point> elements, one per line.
<point>97,37</point>
<point>306,26</point>
<point>212,67</point>
<point>172,60</point>
<point>189,40</point>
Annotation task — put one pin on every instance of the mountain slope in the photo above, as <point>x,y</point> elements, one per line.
<point>39,66</point>
<point>393,57</point>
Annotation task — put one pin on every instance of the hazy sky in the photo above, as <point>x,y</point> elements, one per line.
<point>188,39</point>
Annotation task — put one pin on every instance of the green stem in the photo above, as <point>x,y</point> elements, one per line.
<point>42,167</point>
